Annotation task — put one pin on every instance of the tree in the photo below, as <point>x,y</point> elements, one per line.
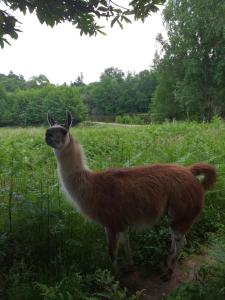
<point>102,97</point>
<point>12,82</point>
<point>113,73</point>
<point>30,106</point>
<point>79,81</point>
<point>37,81</point>
<point>137,92</point>
<point>191,74</point>
<point>116,93</point>
<point>81,13</point>
<point>6,107</point>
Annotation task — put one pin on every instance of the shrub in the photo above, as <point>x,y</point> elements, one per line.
<point>130,119</point>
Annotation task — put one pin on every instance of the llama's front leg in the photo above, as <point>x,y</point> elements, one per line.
<point>124,239</point>
<point>177,243</point>
<point>112,239</point>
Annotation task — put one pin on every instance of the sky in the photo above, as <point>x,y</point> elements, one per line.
<point>61,54</point>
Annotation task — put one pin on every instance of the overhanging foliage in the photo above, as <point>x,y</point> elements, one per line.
<point>81,13</point>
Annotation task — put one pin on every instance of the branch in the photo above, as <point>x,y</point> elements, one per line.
<point>120,6</point>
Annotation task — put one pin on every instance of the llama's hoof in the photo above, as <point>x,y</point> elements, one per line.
<point>166,276</point>
<point>128,268</point>
<point>163,267</point>
<point>115,273</point>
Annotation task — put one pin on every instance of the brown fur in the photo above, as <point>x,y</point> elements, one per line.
<point>118,198</point>
<point>135,197</point>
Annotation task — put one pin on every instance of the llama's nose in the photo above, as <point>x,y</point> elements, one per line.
<point>48,134</point>
<point>48,137</point>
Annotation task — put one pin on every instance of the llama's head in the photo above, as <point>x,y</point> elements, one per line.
<point>57,136</point>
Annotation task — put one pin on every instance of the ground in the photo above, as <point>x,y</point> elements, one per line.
<point>154,288</point>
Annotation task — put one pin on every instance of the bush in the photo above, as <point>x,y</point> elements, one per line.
<point>29,107</point>
<point>130,119</point>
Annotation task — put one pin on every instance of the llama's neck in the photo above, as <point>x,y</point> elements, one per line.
<point>71,160</point>
<point>73,172</point>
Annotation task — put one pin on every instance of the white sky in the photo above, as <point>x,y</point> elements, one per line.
<point>62,54</point>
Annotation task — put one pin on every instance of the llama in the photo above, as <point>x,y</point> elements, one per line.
<point>122,198</point>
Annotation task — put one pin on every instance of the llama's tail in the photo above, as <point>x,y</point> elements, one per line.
<point>208,171</point>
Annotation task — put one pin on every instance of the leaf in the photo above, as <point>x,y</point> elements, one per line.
<point>14,35</point>
<point>1,43</point>
<point>102,32</point>
<point>114,20</point>
<point>104,2</point>
<point>31,8</point>
<point>120,24</point>
<point>51,22</point>
<point>126,19</point>
<point>5,41</point>
<point>128,12</point>
<point>117,10</point>
<point>102,8</point>
<point>104,296</point>
<point>98,14</point>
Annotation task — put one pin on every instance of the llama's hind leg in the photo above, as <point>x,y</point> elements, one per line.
<point>124,239</point>
<point>113,239</point>
<point>178,240</point>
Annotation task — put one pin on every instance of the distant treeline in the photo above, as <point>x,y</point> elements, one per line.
<point>187,80</point>
<point>26,102</point>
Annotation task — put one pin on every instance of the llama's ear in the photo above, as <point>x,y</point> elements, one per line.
<point>68,121</point>
<point>50,119</point>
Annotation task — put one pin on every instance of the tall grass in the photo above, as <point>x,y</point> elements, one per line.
<point>46,247</point>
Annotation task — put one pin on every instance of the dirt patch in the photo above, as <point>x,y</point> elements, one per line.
<point>152,285</point>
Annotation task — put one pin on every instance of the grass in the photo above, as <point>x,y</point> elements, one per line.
<point>47,250</point>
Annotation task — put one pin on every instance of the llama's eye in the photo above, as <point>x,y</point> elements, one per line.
<point>48,134</point>
<point>63,132</point>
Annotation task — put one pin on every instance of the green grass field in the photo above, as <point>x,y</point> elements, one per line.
<point>48,251</point>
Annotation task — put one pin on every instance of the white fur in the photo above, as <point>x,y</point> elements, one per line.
<point>70,194</point>
<point>67,178</point>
